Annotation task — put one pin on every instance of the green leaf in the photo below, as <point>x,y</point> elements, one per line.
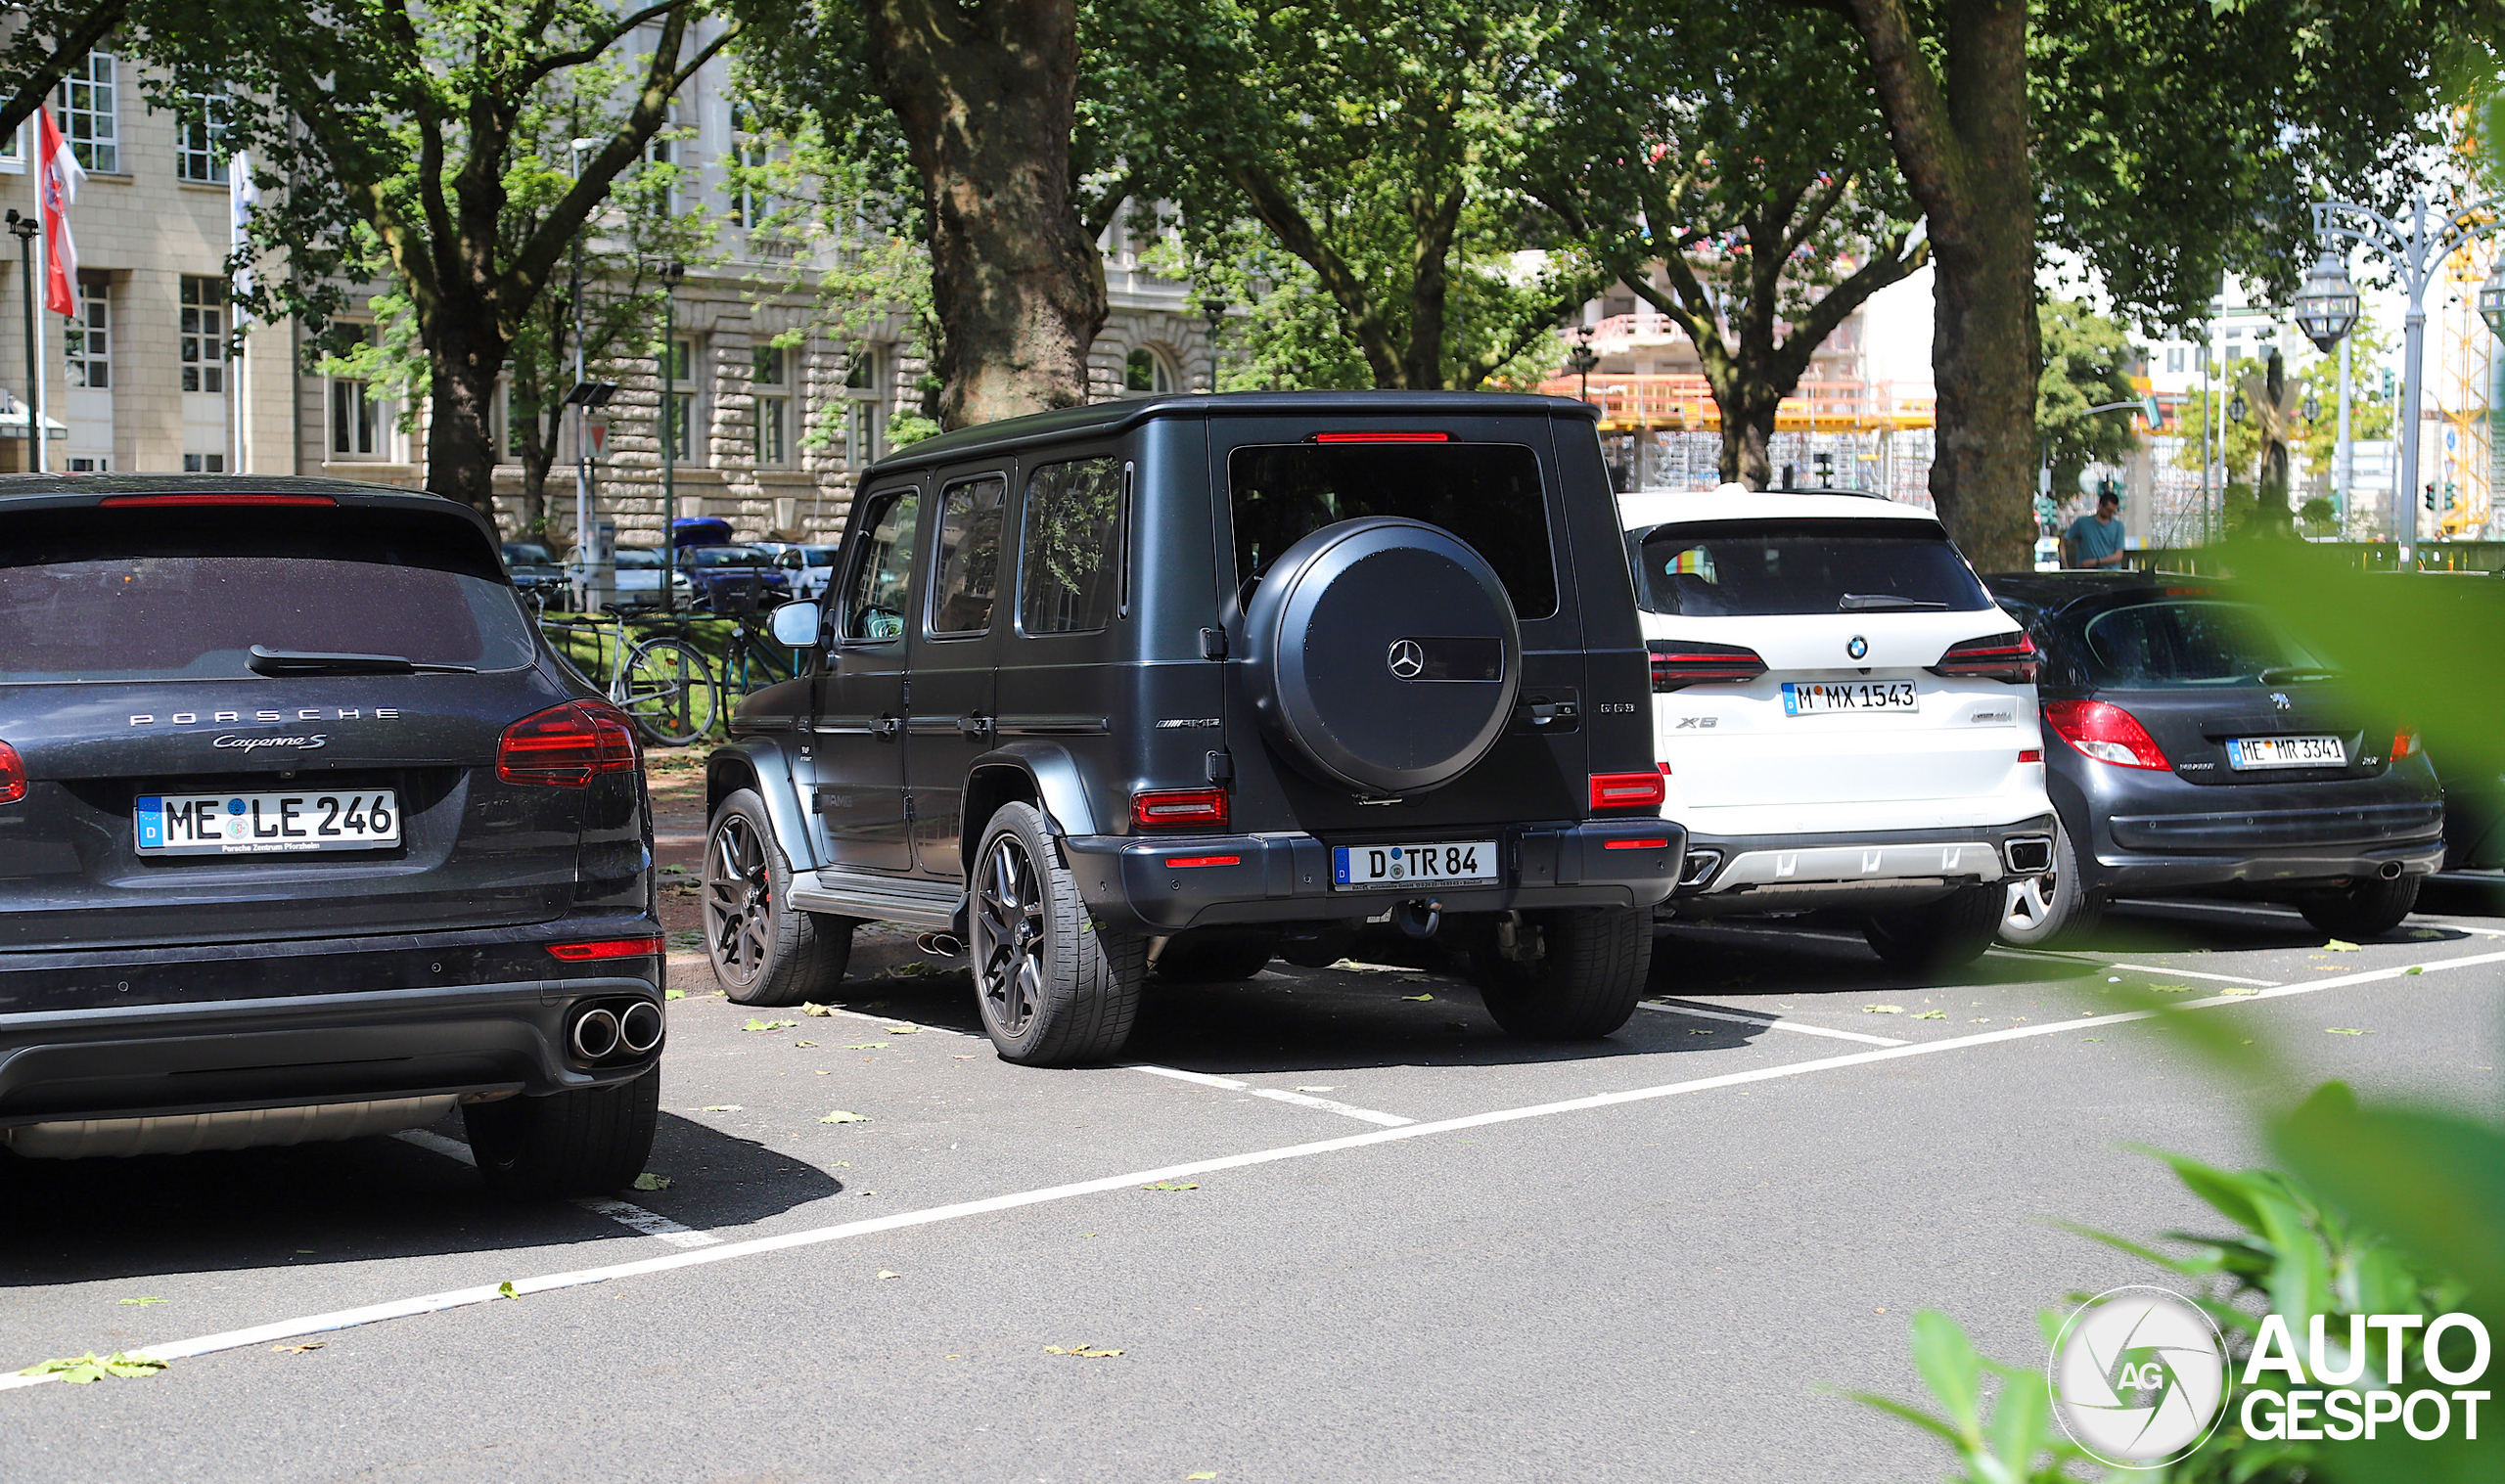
<point>753,1024</point>
<point>841,1116</point>
<point>505,1290</point>
<point>674,993</point>
<point>652,1182</point>
<point>1882,1009</point>
<point>140,1302</point>
<point>1921,1420</point>
<point>1933,1014</point>
<point>1417,996</point>
<point>2337,946</point>
<point>2230,1195</point>
<point>1174,1185</point>
<point>866,1046</point>
<point>1949,1367</point>
<point>2020,1415</point>
<point>2344,1030</point>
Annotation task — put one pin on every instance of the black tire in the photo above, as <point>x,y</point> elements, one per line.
<point>1053,988</point>
<point>1216,957</point>
<point>2368,909</point>
<point>2052,910</point>
<point>1586,982</point>
<point>583,1142</point>
<point>1947,934</point>
<point>763,952</point>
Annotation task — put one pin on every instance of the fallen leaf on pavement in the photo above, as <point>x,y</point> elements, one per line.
<point>724,1107</point>
<point>142,1301</point>
<point>1417,996</point>
<point>300,1349</point>
<point>902,1030</point>
<point>866,1046</point>
<point>883,1272</point>
<point>1698,1031</point>
<point>1174,1185</point>
<point>1301,1090</point>
<point>1190,1478</point>
<point>968,1057</point>
<point>2415,969</point>
<point>505,1290</point>
<point>841,1116</point>
<point>1083,1352</point>
<point>1882,1009</point>
<point>2337,946</point>
<point>79,1370</point>
<point>2238,991</point>
<point>797,1044</point>
<point>2170,989</point>
<point>653,1182</point>
<point>1933,1014</point>
<point>2344,1030</point>
<point>753,1024</point>
<point>674,993</point>
<point>813,1009</point>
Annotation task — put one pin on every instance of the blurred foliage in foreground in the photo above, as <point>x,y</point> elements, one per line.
<point>2371,1208</point>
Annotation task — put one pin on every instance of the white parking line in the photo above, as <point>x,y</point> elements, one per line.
<point>457,1298</point>
<point>1275,1095</point>
<point>2193,974</point>
<point>625,1213</point>
<point>2284,913</point>
<point>1771,1022</point>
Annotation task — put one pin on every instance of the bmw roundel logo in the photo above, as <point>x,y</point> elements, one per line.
<point>1407,659</point>
<point>1857,648</point>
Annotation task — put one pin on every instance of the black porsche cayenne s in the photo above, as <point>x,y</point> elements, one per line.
<point>304,833</point>
<point>2193,748</point>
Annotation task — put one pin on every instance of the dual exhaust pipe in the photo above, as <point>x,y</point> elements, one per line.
<point>616,1029</point>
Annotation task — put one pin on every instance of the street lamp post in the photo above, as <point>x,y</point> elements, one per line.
<point>587,582</point>
<point>672,274</point>
<point>2327,309</point>
<point>23,228</point>
<point>1580,360</point>
<point>1213,309</point>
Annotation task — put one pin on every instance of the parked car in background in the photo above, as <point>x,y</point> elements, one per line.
<point>535,572</point>
<point>305,835</point>
<point>2197,748</point>
<point>812,569</point>
<point>639,579</point>
<point>1210,679</point>
<point>729,578</point>
<point>1842,717</point>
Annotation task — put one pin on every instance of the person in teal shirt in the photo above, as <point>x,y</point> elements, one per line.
<point>2096,541</point>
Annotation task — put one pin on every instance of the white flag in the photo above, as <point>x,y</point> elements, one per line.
<point>241,197</point>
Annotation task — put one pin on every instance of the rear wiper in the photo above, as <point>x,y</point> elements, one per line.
<point>1862,602</point>
<point>268,662</point>
<point>2280,674</point>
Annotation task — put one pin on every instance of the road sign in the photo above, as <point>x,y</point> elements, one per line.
<point>596,437</point>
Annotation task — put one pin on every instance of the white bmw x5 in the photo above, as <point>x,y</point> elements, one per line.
<point>1845,718</point>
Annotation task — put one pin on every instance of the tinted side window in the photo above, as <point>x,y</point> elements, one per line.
<point>1070,548</point>
<point>1487,494</point>
<point>1754,569</point>
<point>969,556</point>
<point>874,602</point>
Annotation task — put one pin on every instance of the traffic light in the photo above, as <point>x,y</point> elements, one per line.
<point>2429,497</point>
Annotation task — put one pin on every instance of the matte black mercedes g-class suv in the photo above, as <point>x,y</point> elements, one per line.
<point>1174,684</point>
<point>304,833</point>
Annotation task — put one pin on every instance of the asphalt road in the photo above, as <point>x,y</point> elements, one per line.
<point>1404,1247</point>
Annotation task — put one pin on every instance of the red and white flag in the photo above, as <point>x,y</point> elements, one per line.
<point>56,185</point>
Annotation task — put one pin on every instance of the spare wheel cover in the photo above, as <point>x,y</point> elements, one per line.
<point>1385,655</point>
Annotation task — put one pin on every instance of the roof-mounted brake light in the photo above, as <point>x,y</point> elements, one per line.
<point>213,498</point>
<point>1382,437</point>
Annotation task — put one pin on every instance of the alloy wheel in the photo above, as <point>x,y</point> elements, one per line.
<point>2031,900</point>
<point>739,901</point>
<point>1009,936</point>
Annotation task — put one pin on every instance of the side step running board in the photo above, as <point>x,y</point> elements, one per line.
<point>932,905</point>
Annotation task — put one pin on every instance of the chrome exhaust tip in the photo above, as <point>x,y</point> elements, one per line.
<point>2390,871</point>
<point>639,1029</point>
<point>1699,869</point>
<point>940,945</point>
<point>595,1034</point>
<point>2030,855</point>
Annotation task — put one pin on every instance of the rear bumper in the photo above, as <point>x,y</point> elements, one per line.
<point>1738,874</point>
<point>1132,884</point>
<point>2155,832</point>
<point>291,1025</point>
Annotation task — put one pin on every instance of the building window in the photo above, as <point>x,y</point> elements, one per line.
<point>203,337</point>
<point>88,338</point>
<point>664,150</point>
<point>1145,371</point>
<point>91,464</point>
<point>748,159</point>
<point>89,117</point>
<point>356,423</point>
<point>203,464</point>
<point>200,138</point>
<point>678,423</point>
<point>864,412</point>
<point>2173,358</point>
<point>772,382</point>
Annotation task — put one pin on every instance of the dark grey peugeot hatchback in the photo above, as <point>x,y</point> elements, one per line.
<point>1173,685</point>
<point>304,833</point>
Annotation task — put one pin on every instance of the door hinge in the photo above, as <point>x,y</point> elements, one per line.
<point>1221,766</point>
<point>908,808</point>
<point>1212,643</point>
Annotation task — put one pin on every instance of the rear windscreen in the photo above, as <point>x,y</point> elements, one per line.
<point>153,594</point>
<point>1487,494</point>
<point>2172,643</point>
<point>1745,570</point>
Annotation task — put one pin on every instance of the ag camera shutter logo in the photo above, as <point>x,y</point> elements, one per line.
<point>2139,1377</point>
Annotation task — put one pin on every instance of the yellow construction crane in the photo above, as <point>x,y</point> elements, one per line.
<point>2463,400</point>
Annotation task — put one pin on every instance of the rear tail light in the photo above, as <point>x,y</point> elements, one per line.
<point>1179,861</point>
<point>212,498</point>
<point>1678,662</point>
<point>2011,658</point>
<point>2030,754</point>
<point>605,948</point>
<point>1382,437</point>
<point>1179,809</point>
<point>2104,732</point>
<point>564,745</point>
<point>2403,743</point>
<point>13,775</point>
<point>1662,843</point>
<point>1629,790</point>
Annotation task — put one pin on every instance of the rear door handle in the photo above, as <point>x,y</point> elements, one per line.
<point>974,726</point>
<point>887,724</point>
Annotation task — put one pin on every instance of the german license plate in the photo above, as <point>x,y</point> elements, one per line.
<point>2286,752</point>
<point>1809,699</point>
<point>1442,864</point>
<point>266,824</point>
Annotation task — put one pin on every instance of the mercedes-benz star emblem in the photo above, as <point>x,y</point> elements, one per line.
<point>1407,661</point>
<point>1856,646</point>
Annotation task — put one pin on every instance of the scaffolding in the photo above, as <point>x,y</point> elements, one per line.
<point>2465,461</point>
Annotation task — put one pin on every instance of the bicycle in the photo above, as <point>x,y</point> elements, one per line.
<point>663,682</point>
<point>750,661</point>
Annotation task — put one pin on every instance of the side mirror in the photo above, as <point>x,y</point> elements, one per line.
<point>795,625</point>
<point>789,559</point>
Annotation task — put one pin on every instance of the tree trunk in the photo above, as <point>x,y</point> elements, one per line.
<point>988,98</point>
<point>1748,426</point>
<point>461,446</point>
<point>1961,141</point>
